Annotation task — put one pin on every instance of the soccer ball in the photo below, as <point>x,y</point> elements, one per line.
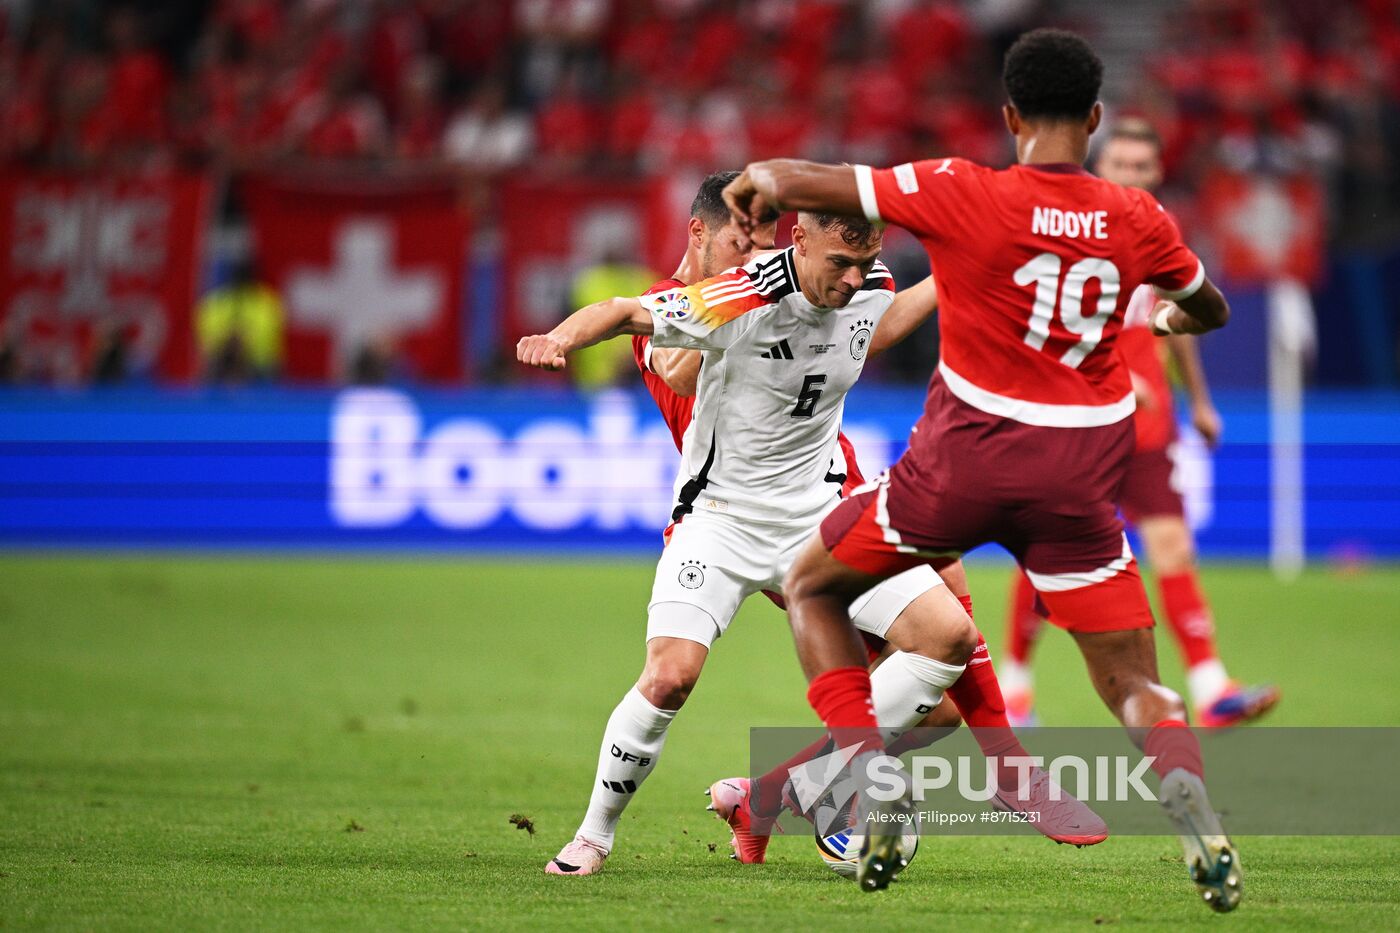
<point>841,850</point>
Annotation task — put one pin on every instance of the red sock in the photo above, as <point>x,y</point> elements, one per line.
<point>1022,621</point>
<point>977,695</point>
<point>1172,743</point>
<point>841,697</point>
<point>1189,616</point>
<point>766,797</point>
<point>966,600</point>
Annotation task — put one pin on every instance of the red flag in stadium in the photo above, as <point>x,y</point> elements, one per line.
<point>1265,227</point>
<point>364,265</point>
<point>555,228</point>
<point>86,260</point>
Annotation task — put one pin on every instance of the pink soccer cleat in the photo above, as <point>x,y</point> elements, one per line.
<point>1020,708</point>
<point>1239,705</point>
<point>580,857</point>
<point>1067,820</point>
<point>729,799</point>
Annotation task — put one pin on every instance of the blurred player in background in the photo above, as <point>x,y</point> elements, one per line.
<point>1150,498</point>
<point>605,364</point>
<point>713,244</point>
<point>1027,430</point>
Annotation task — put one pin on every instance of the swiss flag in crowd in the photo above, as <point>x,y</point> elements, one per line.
<point>84,257</point>
<point>367,265</point>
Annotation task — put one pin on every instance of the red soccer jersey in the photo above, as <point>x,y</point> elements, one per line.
<point>677,409</point>
<point>1155,422</point>
<point>1035,265</point>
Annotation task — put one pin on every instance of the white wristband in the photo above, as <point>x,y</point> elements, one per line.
<point>1161,320</point>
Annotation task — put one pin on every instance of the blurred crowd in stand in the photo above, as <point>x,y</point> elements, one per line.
<point>627,87</point>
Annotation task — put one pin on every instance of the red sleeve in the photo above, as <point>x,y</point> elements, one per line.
<point>918,196</point>
<point>641,346</point>
<point>641,343</point>
<point>1168,263</point>
<point>664,285</point>
<point>675,409</point>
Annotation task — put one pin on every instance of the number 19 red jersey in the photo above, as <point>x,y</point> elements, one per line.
<point>1035,265</point>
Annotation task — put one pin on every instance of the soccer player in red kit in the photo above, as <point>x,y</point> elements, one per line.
<point>1150,499</point>
<point>714,244</point>
<point>1028,424</point>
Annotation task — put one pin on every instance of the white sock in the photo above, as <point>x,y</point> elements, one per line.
<point>1014,677</point>
<point>631,745</point>
<point>906,687</point>
<point>1206,682</point>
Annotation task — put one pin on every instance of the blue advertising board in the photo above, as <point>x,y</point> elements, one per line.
<point>516,470</point>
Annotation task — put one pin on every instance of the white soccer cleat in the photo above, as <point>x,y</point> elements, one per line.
<point>580,857</point>
<point>1067,820</point>
<point>1211,859</point>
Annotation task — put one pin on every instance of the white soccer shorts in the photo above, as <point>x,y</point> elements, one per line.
<point>714,563</point>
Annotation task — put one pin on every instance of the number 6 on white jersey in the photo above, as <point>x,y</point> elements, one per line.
<point>1044,272</point>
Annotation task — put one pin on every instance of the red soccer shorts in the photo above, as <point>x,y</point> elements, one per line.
<point>1047,495</point>
<point>1148,489</point>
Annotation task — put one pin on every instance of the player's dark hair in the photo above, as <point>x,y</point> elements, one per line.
<point>854,231</point>
<point>709,203</point>
<point>1136,129</point>
<point>1052,74</point>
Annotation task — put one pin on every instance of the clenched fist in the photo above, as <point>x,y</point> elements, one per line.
<point>541,350</point>
<point>746,205</point>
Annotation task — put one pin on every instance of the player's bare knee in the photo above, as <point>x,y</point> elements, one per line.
<point>935,625</point>
<point>943,716</point>
<point>963,640</point>
<point>673,663</point>
<point>798,583</point>
<point>805,580</point>
<point>666,684</point>
<point>1145,703</point>
<point>1169,547</point>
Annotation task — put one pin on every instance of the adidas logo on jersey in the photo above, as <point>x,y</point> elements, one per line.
<point>780,351</point>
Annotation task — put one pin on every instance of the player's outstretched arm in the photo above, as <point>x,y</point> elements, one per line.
<point>1204,415</point>
<point>1204,310</point>
<point>910,308</point>
<point>583,328</point>
<point>678,368</point>
<point>791,185</point>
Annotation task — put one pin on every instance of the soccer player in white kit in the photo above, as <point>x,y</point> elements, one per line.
<point>784,338</point>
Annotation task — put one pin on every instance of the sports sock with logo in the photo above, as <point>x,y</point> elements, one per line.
<point>631,745</point>
<point>977,695</point>
<point>906,688</point>
<point>841,697</point>
<point>1188,614</point>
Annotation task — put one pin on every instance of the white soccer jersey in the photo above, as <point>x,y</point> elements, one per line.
<point>762,442</point>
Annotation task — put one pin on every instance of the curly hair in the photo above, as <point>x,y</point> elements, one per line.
<point>1052,74</point>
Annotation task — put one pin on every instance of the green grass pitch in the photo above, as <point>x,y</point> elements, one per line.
<point>297,743</point>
